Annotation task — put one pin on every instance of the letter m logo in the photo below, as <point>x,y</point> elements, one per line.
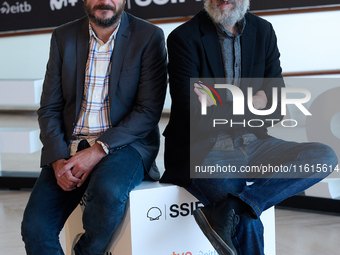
<point>57,4</point>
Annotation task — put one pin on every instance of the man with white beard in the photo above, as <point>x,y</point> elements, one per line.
<point>223,41</point>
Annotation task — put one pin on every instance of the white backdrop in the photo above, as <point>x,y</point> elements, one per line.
<point>307,42</point>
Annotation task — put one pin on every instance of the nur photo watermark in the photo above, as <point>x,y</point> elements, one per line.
<point>225,118</point>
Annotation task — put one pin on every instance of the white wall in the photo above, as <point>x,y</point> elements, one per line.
<point>307,42</point>
<point>24,57</point>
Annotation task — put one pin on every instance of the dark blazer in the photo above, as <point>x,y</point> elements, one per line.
<point>136,90</point>
<point>194,52</point>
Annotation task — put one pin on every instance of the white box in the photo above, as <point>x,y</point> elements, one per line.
<point>19,140</point>
<point>327,188</point>
<point>158,221</point>
<point>20,92</point>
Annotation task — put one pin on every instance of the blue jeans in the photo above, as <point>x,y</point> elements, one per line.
<point>108,187</point>
<point>266,192</point>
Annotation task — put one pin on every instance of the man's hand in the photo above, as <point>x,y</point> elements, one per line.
<point>200,90</point>
<point>66,181</point>
<point>260,100</point>
<point>82,163</point>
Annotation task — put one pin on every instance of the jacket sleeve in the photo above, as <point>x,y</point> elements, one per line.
<point>51,108</point>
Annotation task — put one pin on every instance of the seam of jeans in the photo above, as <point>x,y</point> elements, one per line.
<point>140,161</point>
<point>202,193</point>
<point>244,152</point>
<point>256,209</point>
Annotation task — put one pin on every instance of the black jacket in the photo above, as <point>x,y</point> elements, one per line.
<point>194,52</point>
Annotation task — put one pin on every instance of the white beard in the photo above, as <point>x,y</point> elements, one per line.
<point>223,18</point>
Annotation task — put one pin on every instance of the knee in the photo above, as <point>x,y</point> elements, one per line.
<point>110,198</point>
<point>321,153</point>
<point>29,229</point>
<point>327,155</point>
<point>38,236</point>
<point>104,205</point>
<point>33,229</point>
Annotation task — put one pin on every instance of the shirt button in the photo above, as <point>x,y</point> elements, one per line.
<point>212,140</point>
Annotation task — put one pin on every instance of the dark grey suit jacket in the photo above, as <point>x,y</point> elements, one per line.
<point>136,90</point>
<point>194,52</point>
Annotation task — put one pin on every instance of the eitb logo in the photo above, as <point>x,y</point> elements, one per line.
<point>23,7</point>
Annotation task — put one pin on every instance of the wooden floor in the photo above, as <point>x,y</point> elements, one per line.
<point>301,233</point>
<point>297,233</point>
<point>12,205</point>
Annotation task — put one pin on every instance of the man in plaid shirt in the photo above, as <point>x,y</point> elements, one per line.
<point>102,99</point>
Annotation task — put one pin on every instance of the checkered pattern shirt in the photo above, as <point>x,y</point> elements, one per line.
<point>94,116</point>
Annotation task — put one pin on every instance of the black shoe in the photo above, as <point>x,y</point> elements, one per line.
<point>218,223</point>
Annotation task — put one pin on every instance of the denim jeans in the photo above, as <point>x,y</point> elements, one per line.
<point>107,189</point>
<point>261,193</point>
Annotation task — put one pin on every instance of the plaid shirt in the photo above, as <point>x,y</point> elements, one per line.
<point>94,116</point>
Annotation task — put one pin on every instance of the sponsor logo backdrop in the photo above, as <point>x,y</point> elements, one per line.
<point>17,15</point>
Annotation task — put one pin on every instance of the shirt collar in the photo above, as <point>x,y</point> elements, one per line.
<point>240,28</point>
<point>94,36</point>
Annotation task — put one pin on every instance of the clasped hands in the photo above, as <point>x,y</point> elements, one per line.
<point>72,173</point>
<point>259,99</point>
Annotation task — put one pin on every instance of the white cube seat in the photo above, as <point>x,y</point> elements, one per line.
<point>158,220</point>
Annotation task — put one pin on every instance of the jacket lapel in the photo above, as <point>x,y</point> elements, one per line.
<point>211,45</point>
<point>82,55</point>
<point>121,44</point>
<point>248,44</point>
